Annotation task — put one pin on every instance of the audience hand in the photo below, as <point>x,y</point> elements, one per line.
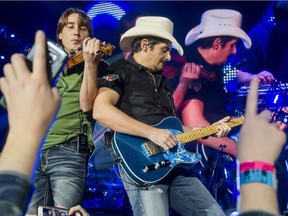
<point>78,208</point>
<point>259,139</point>
<point>31,103</point>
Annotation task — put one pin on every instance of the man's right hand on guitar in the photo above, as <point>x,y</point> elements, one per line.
<point>163,138</point>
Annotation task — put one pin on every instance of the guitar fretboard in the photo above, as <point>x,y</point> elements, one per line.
<point>206,131</point>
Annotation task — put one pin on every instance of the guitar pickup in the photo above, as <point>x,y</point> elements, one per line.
<point>156,166</point>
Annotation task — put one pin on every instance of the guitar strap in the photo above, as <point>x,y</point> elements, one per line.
<point>108,136</point>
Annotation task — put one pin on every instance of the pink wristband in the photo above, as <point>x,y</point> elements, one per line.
<point>256,165</point>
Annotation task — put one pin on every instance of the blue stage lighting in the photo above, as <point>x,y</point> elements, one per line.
<point>276,98</point>
<point>106,8</point>
<point>2,29</point>
<point>229,79</point>
<point>12,35</point>
<point>2,57</point>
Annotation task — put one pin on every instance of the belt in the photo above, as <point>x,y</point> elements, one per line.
<point>82,145</point>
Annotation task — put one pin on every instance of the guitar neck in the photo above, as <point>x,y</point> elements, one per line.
<point>206,131</point>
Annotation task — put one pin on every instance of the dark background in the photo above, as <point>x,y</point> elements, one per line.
<point>23,18</point>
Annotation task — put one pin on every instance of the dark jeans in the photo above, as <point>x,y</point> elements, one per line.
<point>60,177</point>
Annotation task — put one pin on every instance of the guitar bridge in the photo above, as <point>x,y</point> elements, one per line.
<point>156,166</point>
<point>151,148</point>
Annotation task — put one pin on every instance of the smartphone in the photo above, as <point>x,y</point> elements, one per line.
<point>56,58</point>
<point>53,211</point>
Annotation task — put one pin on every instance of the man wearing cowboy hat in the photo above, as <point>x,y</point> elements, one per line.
<point>200,95</point>
<point>135,96</point>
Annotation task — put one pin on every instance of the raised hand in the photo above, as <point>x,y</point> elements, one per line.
<point>259,139</point>
<point>31,102</point>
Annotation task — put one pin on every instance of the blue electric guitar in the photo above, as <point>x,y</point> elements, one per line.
<point>147,163</point>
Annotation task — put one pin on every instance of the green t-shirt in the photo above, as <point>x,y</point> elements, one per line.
<point>70,120</point>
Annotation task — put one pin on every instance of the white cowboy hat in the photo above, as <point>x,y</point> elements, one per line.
<point>219,22</point>
<point>160,27</point>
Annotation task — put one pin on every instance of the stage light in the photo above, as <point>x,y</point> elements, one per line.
<point>229,79</point>
<point>285,119</point>
<point>2,29</point>
<point>2,57</point>
<point>271,19</point>
<point>12,36</point>
<point>276,98</point>
<point>106,8</point>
